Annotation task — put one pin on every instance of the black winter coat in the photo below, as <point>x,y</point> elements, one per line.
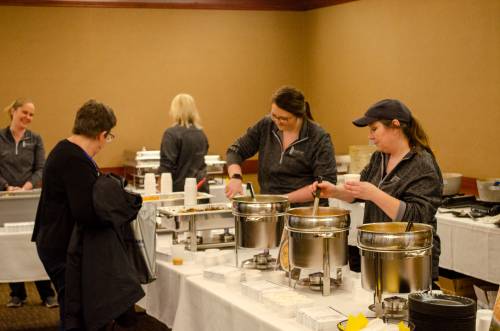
<point>97,260</point>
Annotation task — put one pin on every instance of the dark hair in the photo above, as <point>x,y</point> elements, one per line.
<point>93,118</point>
<point>292,100</point>
<point>414,133</point>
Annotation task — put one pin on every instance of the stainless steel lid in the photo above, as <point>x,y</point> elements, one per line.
<point>261,205</point>
<point>327,219</point>
<point>391,236</point>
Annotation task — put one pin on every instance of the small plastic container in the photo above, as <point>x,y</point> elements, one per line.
<point>233,279</point>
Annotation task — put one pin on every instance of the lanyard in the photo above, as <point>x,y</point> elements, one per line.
<point>93,162</point>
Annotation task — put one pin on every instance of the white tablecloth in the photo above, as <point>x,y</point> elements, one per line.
<point>19,260</point>
<point>470,247</point>
<point>162,295</point>
<point>206,305</point>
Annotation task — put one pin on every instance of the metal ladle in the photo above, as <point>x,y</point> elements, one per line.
<point>409,226</point>
<point>316,198</point>
<point>250,188</point>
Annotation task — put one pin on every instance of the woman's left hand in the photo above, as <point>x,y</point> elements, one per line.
<point>361,190</point>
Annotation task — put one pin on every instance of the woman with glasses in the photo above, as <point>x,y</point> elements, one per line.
<point>293,150</point>
<point>67,228</point>
<point>21,164</point>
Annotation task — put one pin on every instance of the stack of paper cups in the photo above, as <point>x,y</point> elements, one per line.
<point>190,192</point>
<point>166,183</point>
<point>149,184</point>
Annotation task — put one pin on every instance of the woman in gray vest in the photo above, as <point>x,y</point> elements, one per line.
<point>21,164</point>
<point>402,182</point>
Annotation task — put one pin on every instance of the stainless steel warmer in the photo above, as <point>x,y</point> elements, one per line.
<point>199,218</point>
<point>395,261</point>
<point>259,221</point>
<point>318,241</point>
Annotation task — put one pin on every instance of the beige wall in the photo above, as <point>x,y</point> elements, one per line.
<point>441,57</point>
<point>136,60</point>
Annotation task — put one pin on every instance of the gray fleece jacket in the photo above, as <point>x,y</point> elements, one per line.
<point>20,162</point>
<point>282,171</point>
<point>417,182</point>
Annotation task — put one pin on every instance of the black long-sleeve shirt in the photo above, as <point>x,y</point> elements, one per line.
<point>20,162</point>
<point>282,171</point>
<point>182,153</point>
<point>66,198</point>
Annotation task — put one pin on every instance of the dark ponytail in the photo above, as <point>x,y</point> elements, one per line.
<point>414,133</point>
<point>292,100</point>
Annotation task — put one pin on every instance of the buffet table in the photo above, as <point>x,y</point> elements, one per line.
<point>19,259</point>
<point>162,295</point>
<point>470,247</point>
<point>209,305</point>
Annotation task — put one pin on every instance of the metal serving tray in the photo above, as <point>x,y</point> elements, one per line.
<point>198,218</point>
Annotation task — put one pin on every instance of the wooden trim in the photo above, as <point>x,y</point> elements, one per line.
<point>248,167</point>
<point>469,186</point>
<point>313,4</point>
<point>120,171</point>
<point>293,5</point>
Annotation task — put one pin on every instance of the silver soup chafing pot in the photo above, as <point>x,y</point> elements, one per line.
<point>395,261</point>
<point>318,241</point>
<point>259,221</point>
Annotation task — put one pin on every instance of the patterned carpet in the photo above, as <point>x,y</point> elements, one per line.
<point>35,317</point>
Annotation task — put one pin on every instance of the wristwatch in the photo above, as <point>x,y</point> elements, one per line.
<point>237,176</point>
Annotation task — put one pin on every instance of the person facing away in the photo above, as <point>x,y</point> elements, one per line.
<point>184,144</point>
<point>66,208</point>
<point>22,156</point>
<point>293,150</point>
<point>402,181</point>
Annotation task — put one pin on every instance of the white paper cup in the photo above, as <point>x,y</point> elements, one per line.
<point>166,183</point>
<point>483,318</point>
<point>149,184</point>
<point>352,178</point>
<point>190,192</point>
<point>178,251</point>
<point>483,323</point>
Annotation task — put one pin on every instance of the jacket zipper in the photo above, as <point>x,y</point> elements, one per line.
<point>291,145</point>
<point>387,175</point>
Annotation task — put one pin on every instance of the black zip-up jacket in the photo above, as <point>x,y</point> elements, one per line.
<point>101,283</point>
<point>182,153</point>
<point>284,171</point>
<point>417,182</point>
<point>22,162</point>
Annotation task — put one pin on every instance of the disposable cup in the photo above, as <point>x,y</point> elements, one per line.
<point>351,178</point>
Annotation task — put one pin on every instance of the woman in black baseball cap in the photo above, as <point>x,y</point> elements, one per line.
<point>403,181</point>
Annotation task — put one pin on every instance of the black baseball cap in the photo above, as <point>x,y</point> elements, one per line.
<point>387,109</point>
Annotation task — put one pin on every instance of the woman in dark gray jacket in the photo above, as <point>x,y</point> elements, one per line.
<point>21,164</point>
<point>293,150</point>
<point>184,145</point>
<point>403,181</point>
